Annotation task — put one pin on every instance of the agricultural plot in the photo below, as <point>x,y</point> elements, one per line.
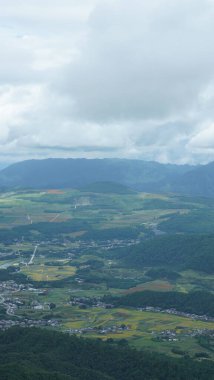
<point>84,244</point>
<point>48,273</point>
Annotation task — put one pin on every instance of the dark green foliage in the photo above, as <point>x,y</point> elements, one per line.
<point>26,371</point>
<point>195,222</point>
<point>202,355</point>
<point>11,274</point>
<point>162,273</point>
<point>3,313</point>
<point>178,351</point>
<point>206,341</point>
<point>45,229</point>
<point>176,251</point>
<point>114,233</point>
<point>194,302</point>
<point>27,354</point>
<point>99,277</point>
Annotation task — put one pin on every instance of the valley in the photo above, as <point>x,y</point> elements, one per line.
<point>70,260</point>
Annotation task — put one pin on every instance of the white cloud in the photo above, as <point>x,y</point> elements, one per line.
<point>16,102</point>
<point>204,138</point>
<point>107,78</point>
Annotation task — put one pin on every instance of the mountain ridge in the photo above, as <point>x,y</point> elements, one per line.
<point>139,175</point>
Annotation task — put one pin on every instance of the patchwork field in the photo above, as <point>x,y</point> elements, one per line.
<point>84,244</point>
<point>43,272</point>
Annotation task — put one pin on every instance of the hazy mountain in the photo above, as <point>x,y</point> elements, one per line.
<point>62,173</point>
<point>3,165</point>
<point>94,174</point>
<point>198,181</point>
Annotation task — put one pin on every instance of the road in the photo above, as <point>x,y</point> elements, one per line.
<point>55,217</point>
<point>9,309</point>
<point>33,256</point>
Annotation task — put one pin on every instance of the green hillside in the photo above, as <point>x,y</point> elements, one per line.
<point>27,354</point>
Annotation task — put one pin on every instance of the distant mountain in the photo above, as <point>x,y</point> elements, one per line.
<point>65,173</point>
<point>198,181</point>
<point>107,175</point>
<point>3,165</point>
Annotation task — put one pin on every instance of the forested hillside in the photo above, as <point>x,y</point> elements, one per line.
<point>176,251</point>
<point>194,302</point>
<point>33,354</point>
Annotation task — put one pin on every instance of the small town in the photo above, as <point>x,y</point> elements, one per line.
<point>6,324</point>
<point>100,329</point>
<point>181,332</point>
<point>176,312</point>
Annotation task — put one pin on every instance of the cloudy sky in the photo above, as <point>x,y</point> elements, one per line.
<point>107,78</point>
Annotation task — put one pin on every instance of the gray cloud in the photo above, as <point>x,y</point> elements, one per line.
<point>143,63</point>
<point>107,79</point>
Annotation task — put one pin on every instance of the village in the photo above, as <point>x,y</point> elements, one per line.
<point>8,323</point>
<point>100,329</point>
<point>180,332</point>
<point>195,317</point>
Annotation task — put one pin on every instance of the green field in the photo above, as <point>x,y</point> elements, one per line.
<point>83,240</point>
<point>48,273</point>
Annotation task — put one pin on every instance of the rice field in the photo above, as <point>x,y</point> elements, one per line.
<point>48,273</point>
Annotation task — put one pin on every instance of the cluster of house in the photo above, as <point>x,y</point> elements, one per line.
<point>205,318</point>
<point>81,246</point>
<point>100,329</point>
<point>166,335</point>
<point>174,335</point>
<point>11,304</point>
<point>84,302</point>
<point>12,286</point>
<point>117,243</point>
<point>6,324</point>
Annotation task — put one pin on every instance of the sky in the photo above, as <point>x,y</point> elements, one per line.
<point>107,78</point>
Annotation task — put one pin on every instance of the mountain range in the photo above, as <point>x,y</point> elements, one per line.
<point>137,175</point>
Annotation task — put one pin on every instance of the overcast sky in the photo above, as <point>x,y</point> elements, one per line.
<point>107,78</point>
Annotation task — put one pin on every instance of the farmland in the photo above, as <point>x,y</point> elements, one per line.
<point>63,251</point>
